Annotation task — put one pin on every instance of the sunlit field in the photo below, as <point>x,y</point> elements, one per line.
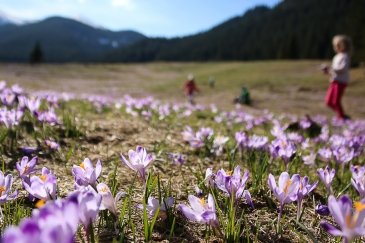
<point>296,87</point>
<point>114,153</point>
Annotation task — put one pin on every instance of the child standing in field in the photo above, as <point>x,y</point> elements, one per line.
<point>339,74</point>
<point>190,88</point>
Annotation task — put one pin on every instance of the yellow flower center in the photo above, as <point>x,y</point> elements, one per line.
<point>2,190</point>
<point>104,189</point>
<point>287,185</point>
<point>352,219</point>
<point>40,203</point>
<point>43,177</point>
<point>359,206</point>
<point>202,202</point>
<point>229,173</point>
<point>82,165</point>
<point>350,222</point>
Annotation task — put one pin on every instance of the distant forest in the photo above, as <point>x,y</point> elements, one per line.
<point>294,29</point>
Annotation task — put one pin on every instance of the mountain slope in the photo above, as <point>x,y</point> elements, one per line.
<point>61,40</point>
<point>292,29</point>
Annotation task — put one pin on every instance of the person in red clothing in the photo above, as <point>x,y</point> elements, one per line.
<point>339,74</point>
<point>190,89</point>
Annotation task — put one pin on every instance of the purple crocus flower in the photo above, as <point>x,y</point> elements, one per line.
<point>309,159</point>
<point>283,148</point>
<point>350,220</point>
<point>200,211</point>
<point>49,117</point>
<point>358,179</point>
<point>286,191</point>
<point>322,210</point>
<point>85,174</point>
<point>138,161</point>
<point>108,201</point>
<point>10,118</point>
<point>25,167</point>
<point>234,185</point>
<point>42,187</point>
<point>32,104</point>
<point>325,154</point>
<point>209,177</point>
<point>52,145</point>
<point>304,189</point>
<point>188,134</point>
<point>218,144</point>
<point>326,175</point>
<point>153,205</point>
<point>5,189</point>
<point>55,222</point>
<point>241,139</point>
<point>177,159</point>
<point>343,155</point>
<point>257,142</point>
<point>89,205</point>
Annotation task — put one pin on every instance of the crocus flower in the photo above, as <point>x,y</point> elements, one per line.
<point>309,159</point>
<point>108,201</point>
<point>322,210</point>
<point>358,179</point>
<point>55,222</point>
<point>343,155</point>
<point>153,205</point>
<point>177,159</point>
<point>10,118</point>
<point>200,211</point>
<point>326,175</point>
<point>138,161</point>
<point>25,167</point>
<point>304,189</point>
<point>218,144</point>
<point>49,117</point>
<point>283,148</point>
<point>51,144</point>
<point>241,139</point>
<point>257,142</point>
<point>350,220</point>
<point>234,185</point>
<point>89,202</point>
<point>85,174</point>
<point>187,134</point>
<point>42,187</point>
<point>5,188</point>
<point>325,154</point>
<point>209,177</point>
<point>286,191</point>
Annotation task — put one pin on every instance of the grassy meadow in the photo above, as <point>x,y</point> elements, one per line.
<point>296,87</point>
<point>226,159</point>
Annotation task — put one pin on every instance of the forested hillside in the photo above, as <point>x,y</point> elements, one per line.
<point>293,29</point>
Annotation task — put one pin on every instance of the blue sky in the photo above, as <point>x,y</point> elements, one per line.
<point>167,18</point>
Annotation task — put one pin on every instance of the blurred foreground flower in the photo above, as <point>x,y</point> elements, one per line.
<point>349,220</point>
<point>55,222</point>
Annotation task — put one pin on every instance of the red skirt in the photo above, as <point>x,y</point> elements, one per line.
<point>334,96</point>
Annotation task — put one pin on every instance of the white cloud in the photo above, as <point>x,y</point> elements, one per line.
<point>127,4</point>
